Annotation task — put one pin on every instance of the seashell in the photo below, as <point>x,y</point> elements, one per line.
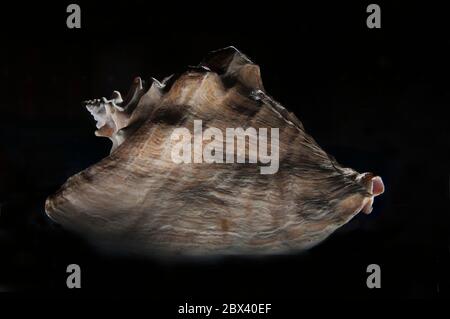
<point>139,200</point>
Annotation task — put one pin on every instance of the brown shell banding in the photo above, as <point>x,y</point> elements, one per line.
<point>138,198</point>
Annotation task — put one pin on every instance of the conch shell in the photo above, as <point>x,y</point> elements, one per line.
<point>140,200</point>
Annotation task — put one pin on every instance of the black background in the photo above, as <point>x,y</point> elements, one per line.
<point>376,99</point>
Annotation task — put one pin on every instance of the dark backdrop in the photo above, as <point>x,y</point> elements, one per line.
<point>375,99</point>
